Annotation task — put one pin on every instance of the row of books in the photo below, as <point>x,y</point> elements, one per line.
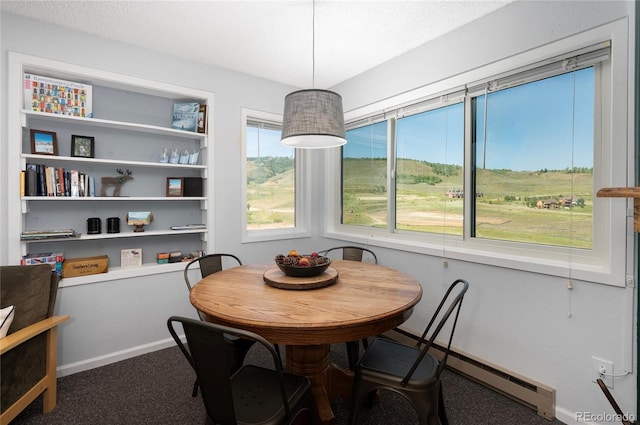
<point>55,259</point>
<point>43,180</point>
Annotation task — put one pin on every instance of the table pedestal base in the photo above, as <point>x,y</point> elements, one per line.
<point>328,380</point>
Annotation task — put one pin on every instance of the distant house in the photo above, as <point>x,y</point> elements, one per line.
<point>547,203</point>
<point>570,201</point>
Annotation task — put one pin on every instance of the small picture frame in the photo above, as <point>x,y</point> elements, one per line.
<point>175,186</point>
<point>44,142</point>
<point>202,119</point>
<point>82,146</point>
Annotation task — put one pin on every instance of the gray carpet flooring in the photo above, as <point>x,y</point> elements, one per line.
<point>155,389</point>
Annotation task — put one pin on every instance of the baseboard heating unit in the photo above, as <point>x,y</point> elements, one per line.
<point>535,395</point>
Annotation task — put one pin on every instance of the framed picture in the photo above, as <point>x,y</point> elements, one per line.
<point>83,146</point>
<point>175,186</point>
<point>202,119</point>
<point>44,142</point>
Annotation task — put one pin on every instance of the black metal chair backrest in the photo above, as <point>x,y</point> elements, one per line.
<point>209,264</point>
<point>208,354</point>
<point>427,340</point>
<point>351,253</point>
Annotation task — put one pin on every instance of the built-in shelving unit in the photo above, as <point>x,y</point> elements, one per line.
<point>131,124</point>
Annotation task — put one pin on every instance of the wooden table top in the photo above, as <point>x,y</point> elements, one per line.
<point>366,300</point>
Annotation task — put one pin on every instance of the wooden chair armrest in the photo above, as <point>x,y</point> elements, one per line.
<point>13,340</point>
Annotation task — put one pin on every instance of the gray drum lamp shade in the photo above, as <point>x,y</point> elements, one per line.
<point>313,119</point>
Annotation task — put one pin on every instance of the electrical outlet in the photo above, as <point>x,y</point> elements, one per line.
<point>602,369</point>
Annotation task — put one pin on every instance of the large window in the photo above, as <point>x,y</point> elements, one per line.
<point>273,180</point>
<point>364,176</point>
<point>531,136</point>
<point>534,145</point>
<point>429,175</point>
<point>502,168</point>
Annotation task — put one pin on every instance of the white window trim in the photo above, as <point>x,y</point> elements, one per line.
<point>611,260</point>
<point>302,198</point>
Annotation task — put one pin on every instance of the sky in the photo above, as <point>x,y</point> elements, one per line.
<point>529,127</point>
<point>547,124</point>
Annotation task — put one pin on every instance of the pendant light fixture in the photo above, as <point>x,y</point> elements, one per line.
<point>313,118</point>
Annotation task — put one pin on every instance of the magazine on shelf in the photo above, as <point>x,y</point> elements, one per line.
<point>131,257</point>
<point>56,96</point>
<point>185,116</point>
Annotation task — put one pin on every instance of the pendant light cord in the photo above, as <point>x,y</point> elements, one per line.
<point>313,45</point>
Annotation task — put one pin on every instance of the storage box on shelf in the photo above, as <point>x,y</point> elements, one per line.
<point>131,130</point>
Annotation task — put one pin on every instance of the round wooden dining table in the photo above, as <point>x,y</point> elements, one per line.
<point>365,300</point>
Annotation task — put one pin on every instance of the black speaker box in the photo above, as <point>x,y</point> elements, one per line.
<point>192,187</point>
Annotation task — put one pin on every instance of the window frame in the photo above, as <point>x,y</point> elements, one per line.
<point>610,261</point>
<point>302,176</point>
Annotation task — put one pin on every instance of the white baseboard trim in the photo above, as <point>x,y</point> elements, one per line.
<point>81,366</point>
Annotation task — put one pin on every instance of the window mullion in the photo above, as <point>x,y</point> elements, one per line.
<point>391,174</point>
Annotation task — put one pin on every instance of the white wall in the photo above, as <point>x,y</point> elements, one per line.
<point>518,320</point>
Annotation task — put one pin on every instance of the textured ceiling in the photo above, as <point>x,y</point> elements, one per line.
<point>269,39</point>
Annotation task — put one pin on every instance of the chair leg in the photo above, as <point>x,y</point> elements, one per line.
<point>353,353</point>
<point>362,394</point>
<point>442,413</point>
<point>195,388</point>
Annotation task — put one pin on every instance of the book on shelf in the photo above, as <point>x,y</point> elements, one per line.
<point>185,116</point>
<point>55,259</point>
<point>42,186</point>
<point>41,180</point>
<point>28,235</point>
<point>60,182</point>
<point>82,187</point>
<point>92,186</point>
<point>23,182</point>
<point>56,96</point>
<point>188,227</point>
<point>202,119</point>
<point>74,182</point>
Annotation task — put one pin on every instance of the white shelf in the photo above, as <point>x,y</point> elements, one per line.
<point>113,198</point>
<point>121,125</point>
<point>85,237</point>
<point>48,158</point>
<point>116,273</point>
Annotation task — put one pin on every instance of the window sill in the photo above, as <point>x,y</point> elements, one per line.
<point>564,263</point>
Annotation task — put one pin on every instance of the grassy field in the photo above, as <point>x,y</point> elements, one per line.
<point>505,211</point>
<point>270,203</point>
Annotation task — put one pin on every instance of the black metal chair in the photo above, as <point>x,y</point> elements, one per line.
<point>250,395</point>
<point>410,370</point>
<point>353,253</point>
<point>209,264</point>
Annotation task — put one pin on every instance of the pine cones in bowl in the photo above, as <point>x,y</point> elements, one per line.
<point>302,265</point>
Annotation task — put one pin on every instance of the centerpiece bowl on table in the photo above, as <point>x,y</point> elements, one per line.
<point>302,265</point>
